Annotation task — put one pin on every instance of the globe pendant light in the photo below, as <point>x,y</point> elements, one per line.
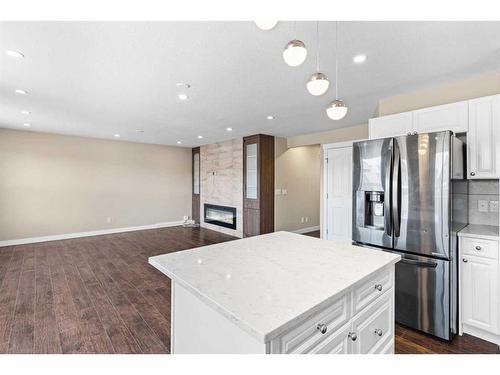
<point>337,109</point>
<point>318,83</point>
<point>295,52</point>
<point>266,24</point>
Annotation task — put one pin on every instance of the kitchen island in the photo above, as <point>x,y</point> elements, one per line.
<point>281,293</point>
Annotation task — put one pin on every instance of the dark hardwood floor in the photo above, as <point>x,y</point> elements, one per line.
<point>99,295</point>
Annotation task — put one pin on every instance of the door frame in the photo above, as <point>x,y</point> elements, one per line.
<point>323,220</point>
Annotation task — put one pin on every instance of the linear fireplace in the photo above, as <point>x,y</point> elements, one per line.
<point>220,215</point>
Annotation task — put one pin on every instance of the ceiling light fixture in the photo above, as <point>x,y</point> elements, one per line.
<point>295,52</point>
<point>117,135</point>
<point>179,142</point>
<point>358,59</point>
<point>318,83</point>
<point>337,109</point>
<point>183,97</point>
<point>27,125</point>
<point>200,137</point>
<point>139,130</point>
<point>266,24</point>
<point>270,117</point>
<point>26,112</point>
<point>21,92</point>
<point>183,84</point>
<point>15,54</point>
<point>229,129</point>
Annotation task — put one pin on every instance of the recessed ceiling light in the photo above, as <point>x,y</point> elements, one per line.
<point>358,59</point>
<point>13,53</point>
<point>183,84</point>
<point>139,130</point>
<point>27,125</point>
<point>229,129</point>
<point>183,97</point>
<point>266,24</point>
<point>179,142</point>
<point>270,117</point>
<point>200,137</point>
<point>26,112</point>
<point>117,135</point>
<point>21,92</point>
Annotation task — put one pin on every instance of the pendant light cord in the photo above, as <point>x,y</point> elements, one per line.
<point>294,30</point>
<point>336,60</point>
<point>317,46</point>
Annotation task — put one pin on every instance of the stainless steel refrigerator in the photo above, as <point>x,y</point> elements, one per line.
<point>403,203</point>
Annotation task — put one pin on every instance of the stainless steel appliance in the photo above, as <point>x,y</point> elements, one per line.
<point>402,202</point>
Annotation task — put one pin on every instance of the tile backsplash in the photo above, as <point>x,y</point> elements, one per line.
<point>484,192</point>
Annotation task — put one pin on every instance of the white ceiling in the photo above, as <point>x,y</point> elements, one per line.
<point>100,78</point>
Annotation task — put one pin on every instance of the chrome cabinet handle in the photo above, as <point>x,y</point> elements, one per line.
<point>409,133</point>
<point>379,332</point>
<point>414,133</point>
<point>352,336</point>
<point>378,287</point>
<point>464,260</point>
<point>322,328</point>
<point>478,248</point>
<point>472,174</point>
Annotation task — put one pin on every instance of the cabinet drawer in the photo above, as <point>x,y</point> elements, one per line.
<point>370,290</point>
<point>337,343</point>
<point>479,247</point>
<point>306,336</point>
<point>375,326</point>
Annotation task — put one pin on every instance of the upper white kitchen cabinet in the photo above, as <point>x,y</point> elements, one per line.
<point>483,138</point>
<point>452,117</point>
<point>390,126</point>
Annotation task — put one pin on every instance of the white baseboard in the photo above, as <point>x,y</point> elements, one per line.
<point>23,241</point>
<point>306,230</point>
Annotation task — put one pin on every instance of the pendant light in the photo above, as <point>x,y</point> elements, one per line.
<point>337,109</point>
<point>266,24</point>
<point>295,52</point>
<point>318,83</point>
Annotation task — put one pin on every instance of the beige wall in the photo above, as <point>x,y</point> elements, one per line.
<point>473,87</point>
<point>297,170</point>
<point>331,136</point>
<point>54,184</point>
<point>221,180</point>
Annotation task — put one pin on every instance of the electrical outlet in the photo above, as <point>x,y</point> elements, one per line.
<point>109,219</point>
<point>185,218</point>
<point>307,219</point>
<point>493,206</point>
<point>301,219</point>
<point>482,205</point>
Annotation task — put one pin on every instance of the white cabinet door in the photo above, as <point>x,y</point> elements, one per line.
<point>479,292</point>
<point>483,138</point>
<point>339,194</point>
<point>390,126</point>
<point>452,117</point>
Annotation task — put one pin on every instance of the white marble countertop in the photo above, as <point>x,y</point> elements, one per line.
<point>269,282</point>
<point>488,232</point>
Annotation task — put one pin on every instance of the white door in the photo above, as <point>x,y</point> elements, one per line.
<point>390,126</point>
<point>339,194</point>
<point>452,117</point>
<point>479,292</point>
<point>483,138</point>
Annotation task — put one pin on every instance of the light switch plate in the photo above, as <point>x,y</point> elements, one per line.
<point>284,191</point>
<point>493,206</point>
<point>482,205</point>
<point>277,192</point>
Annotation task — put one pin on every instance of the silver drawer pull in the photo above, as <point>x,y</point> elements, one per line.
<point>352,336</point>
<point>379,332</point>
<point>472,174</point>
<point>478,247</point>
<point>464,260</point>
<point>378,287</point>
<point>322,328</point>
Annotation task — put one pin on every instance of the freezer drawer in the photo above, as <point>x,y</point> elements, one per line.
<point>423,294</point>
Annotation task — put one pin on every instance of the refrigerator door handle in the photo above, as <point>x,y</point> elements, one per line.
<point>419,264</point>
<point>387,197</point>
<point>396,219</point>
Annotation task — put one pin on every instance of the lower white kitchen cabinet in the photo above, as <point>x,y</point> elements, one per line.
<point>479,288</point>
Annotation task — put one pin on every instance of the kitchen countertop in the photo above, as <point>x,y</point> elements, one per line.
<point>268,283</point>
<point>488,232</point>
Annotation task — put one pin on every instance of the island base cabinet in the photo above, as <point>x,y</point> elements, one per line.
<point>199,328</point>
